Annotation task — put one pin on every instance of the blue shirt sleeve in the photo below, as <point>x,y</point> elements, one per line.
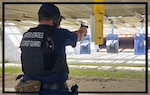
<point>70,38</point>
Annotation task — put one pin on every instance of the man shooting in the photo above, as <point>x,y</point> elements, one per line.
<point>43,54</point>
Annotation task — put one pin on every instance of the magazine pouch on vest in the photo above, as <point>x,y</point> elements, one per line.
<point>37,56</point>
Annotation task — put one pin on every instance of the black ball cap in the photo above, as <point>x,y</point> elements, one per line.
<point>49,10</point>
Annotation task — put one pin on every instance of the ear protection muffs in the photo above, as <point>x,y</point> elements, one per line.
<point>56,20</point>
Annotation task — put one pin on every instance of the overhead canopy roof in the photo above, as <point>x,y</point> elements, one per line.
<point>124,15</point>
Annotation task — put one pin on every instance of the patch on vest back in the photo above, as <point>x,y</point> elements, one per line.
<point>28,39</point>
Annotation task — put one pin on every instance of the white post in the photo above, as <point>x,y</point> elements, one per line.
<point>92,27</point>
<point>142,26</point>
<point>112,26</point>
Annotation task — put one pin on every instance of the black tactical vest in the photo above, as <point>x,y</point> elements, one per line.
<point>37,53</point>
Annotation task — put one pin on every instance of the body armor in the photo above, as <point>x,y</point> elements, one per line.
<point>38,56</point>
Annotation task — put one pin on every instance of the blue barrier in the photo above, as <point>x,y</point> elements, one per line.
<point>112,43</point>
<point>85,45</point>
<point>139,44</point>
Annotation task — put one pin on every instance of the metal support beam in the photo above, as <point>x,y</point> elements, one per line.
<point>142,26</point>
<point>112,26</point>
<point>92,27</point>
<point>98,22</point>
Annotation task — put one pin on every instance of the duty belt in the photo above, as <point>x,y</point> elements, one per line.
<point>55,86</point>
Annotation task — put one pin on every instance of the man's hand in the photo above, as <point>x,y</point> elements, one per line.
<point>81,32</point>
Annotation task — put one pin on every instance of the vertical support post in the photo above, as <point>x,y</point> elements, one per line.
<point>98,22</point>
<point>142,26</point>
<point>92,27</point>
<point>112,26</point>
